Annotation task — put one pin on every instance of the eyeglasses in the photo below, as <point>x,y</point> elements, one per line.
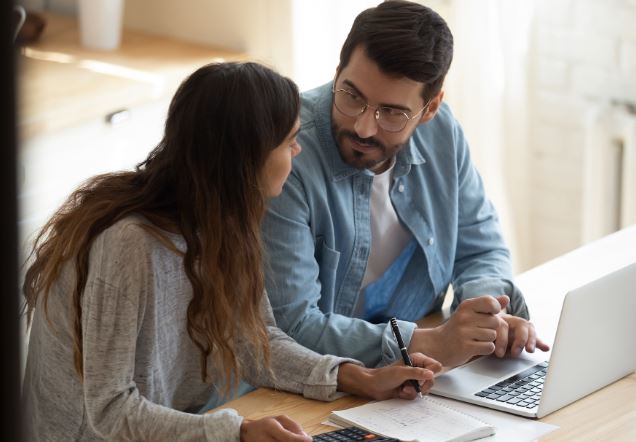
<point>388,118</point>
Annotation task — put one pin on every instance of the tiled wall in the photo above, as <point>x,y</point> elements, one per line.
<point>583,56</point>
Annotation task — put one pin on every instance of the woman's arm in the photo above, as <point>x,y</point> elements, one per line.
<point>325,377</point>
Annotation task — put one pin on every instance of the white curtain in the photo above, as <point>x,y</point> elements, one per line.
<point>487,88</point>
<point>319,30</point>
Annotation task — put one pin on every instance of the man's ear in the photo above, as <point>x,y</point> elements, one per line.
<point>432,108</point>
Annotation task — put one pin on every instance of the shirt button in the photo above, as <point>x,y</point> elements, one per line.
<point>431,241</point>
<point>401,188</point>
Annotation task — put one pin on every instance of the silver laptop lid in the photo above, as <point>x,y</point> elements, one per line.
<point>595,343</point>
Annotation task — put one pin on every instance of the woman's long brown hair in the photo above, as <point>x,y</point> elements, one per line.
<point>205,179</point>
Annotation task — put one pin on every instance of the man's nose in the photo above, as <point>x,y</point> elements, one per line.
<point>366,124</point>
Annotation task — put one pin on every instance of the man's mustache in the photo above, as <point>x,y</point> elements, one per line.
<point>370,141</point>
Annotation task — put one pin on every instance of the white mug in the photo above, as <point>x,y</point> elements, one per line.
<point>100,23</point>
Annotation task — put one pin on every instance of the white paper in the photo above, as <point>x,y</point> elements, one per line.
<point>510,428</point>
<point>426,420</point>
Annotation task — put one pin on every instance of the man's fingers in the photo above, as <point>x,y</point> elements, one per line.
<point>541,345</point>
<point>485,334</point>
<point>503,301</point>
<point>521,337</point>
<point>487,321</point>
<point>532,339</point>
<point>501,342</point>
<point>483,304</point>
<point>482,348</point>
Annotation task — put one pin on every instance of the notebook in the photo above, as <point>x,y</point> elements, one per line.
<point>595,345</point>
<point>421,420</point>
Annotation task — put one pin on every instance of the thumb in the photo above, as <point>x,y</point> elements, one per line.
<point>503,301</point>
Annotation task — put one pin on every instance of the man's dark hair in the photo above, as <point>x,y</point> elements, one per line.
<point>404,39</point>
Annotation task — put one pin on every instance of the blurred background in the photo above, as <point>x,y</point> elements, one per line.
<point>545,91</point>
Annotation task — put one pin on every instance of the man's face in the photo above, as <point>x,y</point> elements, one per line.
<point>361,142</point>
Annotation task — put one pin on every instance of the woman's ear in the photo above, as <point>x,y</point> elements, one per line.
<point>432,108</point>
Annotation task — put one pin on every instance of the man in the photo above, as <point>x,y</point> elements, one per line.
<point>384,209</point>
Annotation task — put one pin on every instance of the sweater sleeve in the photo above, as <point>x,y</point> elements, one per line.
<point>113,304</point>
<point>293,367</point>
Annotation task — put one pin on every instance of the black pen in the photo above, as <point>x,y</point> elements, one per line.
<point>405,354</point>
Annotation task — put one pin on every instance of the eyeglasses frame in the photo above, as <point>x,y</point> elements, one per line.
<point>377,110</point>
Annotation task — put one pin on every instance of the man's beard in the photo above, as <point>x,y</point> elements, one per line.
<point>357,159</point>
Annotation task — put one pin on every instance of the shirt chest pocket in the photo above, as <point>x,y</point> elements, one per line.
<point>327,259</point>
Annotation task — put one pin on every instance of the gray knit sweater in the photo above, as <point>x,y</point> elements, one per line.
<point>142,376</point>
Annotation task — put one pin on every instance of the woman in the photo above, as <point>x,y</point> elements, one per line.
<point>146,291</point>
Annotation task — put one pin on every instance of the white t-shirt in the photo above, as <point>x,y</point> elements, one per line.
<point>388,236</point>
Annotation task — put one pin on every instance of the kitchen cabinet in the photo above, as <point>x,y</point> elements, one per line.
<point>52,164</point>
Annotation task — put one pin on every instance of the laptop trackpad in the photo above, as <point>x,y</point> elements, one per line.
<point>479,374</point>
<point>498,368</point>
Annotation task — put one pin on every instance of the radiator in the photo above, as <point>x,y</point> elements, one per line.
<point>609,170</point>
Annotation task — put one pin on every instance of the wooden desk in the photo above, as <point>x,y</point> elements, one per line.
<point>608,414</point>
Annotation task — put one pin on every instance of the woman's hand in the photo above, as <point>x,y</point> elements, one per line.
<point>278,428</point>
<point>391,381</point>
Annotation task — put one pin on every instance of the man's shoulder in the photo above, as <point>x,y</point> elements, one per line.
<point>310,101</point>
<point>315,132</point>
<point>442,129</point>
<point>311,96</point>
<point>444,119</point>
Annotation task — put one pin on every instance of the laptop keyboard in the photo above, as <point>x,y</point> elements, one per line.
<point>522,389</point>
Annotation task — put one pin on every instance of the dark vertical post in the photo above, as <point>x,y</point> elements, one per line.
<point>9,331</point>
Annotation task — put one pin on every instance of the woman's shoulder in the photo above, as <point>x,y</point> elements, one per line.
<point>136,235</point>
<point>128,229</point>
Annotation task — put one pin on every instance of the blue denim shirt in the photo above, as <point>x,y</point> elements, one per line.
<point>317,236</point>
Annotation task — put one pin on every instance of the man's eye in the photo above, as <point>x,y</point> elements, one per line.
<point>354,96</point>
<point>391,112</point>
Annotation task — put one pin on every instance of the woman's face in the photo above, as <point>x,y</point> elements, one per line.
<point>279,162</point>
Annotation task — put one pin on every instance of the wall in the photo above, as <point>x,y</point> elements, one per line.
<point>260,27</point>
<point>584,55</point>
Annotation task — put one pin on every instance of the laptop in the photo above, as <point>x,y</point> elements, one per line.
<point>595,345</point>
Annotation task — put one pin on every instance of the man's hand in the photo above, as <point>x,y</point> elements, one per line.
<point>479,326</point>
<point>470,331</point>
<point>515,334</point>
<point>391,381</point>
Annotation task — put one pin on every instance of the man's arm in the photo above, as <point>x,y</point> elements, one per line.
<point>297,266</point>
<point>489,312</point>
<point>480,324</point>
<point>482,259</point>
